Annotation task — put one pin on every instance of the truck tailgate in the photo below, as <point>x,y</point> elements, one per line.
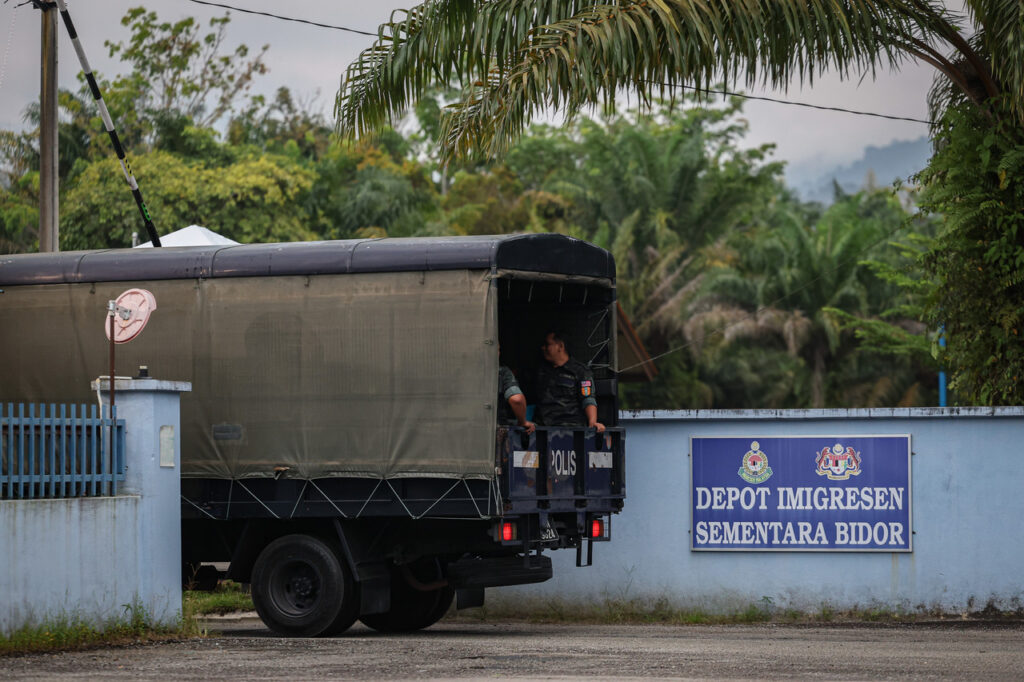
<point>559,469</point>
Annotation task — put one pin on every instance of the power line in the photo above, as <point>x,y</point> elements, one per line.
<point>792,103</point>
<point>278,16</point>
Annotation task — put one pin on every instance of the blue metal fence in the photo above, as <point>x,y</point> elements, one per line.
<point>55,451</point>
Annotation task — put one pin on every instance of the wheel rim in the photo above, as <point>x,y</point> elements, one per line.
<point>295,588</point>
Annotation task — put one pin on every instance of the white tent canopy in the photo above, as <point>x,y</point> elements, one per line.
<point>193,235</point>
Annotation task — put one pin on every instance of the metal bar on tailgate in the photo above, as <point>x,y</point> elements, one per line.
<point>579,444</point>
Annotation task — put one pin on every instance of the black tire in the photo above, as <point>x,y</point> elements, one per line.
<point>347,615</point>
<point>300,587</point>
<point>412,609</point>
<point>445,597</point>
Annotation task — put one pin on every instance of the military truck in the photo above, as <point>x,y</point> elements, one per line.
<point>341,446</point>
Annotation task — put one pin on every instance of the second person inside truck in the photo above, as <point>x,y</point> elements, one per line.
<point>565,388</point>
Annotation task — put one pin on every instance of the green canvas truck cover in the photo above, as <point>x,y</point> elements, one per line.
<point>374,358</point>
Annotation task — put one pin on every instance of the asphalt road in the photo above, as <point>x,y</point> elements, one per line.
<point>245,650</point>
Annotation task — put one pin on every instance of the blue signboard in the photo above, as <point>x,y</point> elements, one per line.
<point>800,493</point>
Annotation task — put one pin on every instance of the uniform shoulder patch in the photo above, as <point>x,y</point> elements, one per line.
<point>586,387</point>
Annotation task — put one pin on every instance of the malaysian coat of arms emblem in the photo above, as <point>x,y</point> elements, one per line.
<point>838,463</point>
<point>755,467</point>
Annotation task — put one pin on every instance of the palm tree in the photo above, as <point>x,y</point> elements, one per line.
<point>659,192</point>
<point>787,293</point>
<point>516,57</point>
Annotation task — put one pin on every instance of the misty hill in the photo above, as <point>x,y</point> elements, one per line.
<point>897,160</point>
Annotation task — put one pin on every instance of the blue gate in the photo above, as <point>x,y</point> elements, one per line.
<point>57,451</point>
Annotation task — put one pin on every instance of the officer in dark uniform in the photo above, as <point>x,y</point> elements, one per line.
<point>565,388</point>
<point>511,400</point>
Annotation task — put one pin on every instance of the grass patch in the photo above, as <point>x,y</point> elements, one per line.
<point>609,611</point>
<point>639,611</point>
<point>755,613</point>
<point>229,597</point>
<point>877,615</point>
<point>68,633</point>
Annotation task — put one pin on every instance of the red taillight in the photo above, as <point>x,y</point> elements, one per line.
<point>508,531</point>
<point>596,528</point>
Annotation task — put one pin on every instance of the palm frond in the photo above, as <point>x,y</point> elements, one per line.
<point>1002,43</point>
<point>439,41</point>
<point>514,58</point>
<point>571,55</point>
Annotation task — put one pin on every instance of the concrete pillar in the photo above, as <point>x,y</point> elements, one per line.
<point>150,409</point>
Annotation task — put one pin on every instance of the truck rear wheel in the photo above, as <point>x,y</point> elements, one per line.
<point>301,589</point>
<point>413,609</point>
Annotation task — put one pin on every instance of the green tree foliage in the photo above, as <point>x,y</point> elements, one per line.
<point>369,191</point>
<point>750,298</point>
<point>19,169</point>
<point>253,199</point>
<point>778,302</point>
<point>899,331</point>
<point>975,266</point>
<point>274,178</point>
<point>488,202</point>
<point>513,59</point>
<point>659,192</point>
<point>177,71</point>
<point>178,85</point>
<point>19,193</point>
<point>282,125</point>
<point>19,215</point>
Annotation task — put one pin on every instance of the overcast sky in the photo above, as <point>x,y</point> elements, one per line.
<point>310,60</point>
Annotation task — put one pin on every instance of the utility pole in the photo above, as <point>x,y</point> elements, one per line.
<point>49,218</point>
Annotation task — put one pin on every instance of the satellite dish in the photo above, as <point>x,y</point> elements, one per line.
<point>131,311</point>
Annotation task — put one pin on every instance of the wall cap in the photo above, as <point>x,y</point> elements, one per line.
<point>102,383</point>
<point>824,414</point>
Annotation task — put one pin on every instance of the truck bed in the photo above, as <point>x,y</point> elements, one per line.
<point>554,470</point>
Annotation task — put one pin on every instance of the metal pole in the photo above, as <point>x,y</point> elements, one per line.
<point>109,457</point>
<point>942,372</point>
<point>48,187</point>
<point>108,124</point>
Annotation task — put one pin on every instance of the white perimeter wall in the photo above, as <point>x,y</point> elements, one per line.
<point>967,476</point>
<point>90,558</point>
<point>68,557</point>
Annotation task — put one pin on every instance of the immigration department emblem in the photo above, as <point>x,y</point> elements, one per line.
<point>755,467</point>
<point>838,463</point>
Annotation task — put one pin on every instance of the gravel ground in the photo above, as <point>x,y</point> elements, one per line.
<point>245,650</point>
